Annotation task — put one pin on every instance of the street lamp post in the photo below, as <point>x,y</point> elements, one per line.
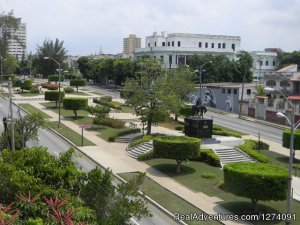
<point>200,71</point>
<point>290,166</point>
<point>59,97</point>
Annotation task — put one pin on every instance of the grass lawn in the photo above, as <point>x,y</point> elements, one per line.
<point>66,113</point>
<point>127,109</point>
<point>32,109</point>
<point>282,160</point>
<point>167,199</point>
<point>4,95</point>
<point>69,134</point>
<point>191,177</point>
<point>105,132</point>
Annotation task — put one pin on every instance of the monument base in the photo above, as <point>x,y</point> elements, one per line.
<point>198,127</point>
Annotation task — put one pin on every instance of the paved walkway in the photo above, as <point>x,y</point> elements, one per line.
<point>113,155</point>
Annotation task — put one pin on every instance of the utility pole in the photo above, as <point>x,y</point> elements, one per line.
<point>11,116</point>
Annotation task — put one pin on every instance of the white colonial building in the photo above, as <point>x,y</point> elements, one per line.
<point>264,62</point>
<point>175,49</point>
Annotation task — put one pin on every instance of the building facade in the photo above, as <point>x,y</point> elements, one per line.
<point>17,46</point>
<point>130,44</point>
<point>264,62</point>
<point>175,49</point>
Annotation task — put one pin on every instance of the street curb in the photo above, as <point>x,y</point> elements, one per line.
<point>164,210</point>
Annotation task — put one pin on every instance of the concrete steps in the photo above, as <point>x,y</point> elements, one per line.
<point>232,155</point>
<point>135,151</point>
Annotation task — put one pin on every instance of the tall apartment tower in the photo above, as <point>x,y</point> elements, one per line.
<point>17,46</point>
<point>130,44</point>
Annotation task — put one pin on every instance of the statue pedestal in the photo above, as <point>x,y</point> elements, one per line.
<point>198,127</point>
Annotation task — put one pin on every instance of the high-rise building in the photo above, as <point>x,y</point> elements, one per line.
<point>17,45</point>
<point>130,44</point>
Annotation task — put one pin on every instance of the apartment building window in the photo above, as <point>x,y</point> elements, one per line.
<point>170,60</point>
<point>164,43</point>
<point>223,90</point>
<point>248,91</point>
<point>200,44</point>
<point>172,43</point>
<point>206,45</point>
<point>219,45</point>
<point>284,83</point>
<point>149,45</point>
<point>155,44</point>
<point>168,43</point>
<point>271,83</point>
<point>267,62</point>
<point>212,45</point>
<point>274,63</point>
<point>235,91</point>
<point>178,43</point>
<point>233,47</point>
<point>229,91</point>
<point>224,45</point>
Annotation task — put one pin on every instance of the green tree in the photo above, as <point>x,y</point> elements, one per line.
<point>178,148</point>
<point>54,49</point>
<point>24,84</point>
<point>98,111</point>
<point>54,96</point>
<point>257,181</point>
<point>84,66</point>
<point>109,202</point>
<point>122,69</point>
<point>180,85</point>
<point>243,66</point>
<point>286,137</point>
<point>146,93</point>
<point>8,25</point>
<point>75,104</point>
<point>286,58</point>
<point>25,128</point>
<point>55,78</point>
<point>10,65</point>
<point>77,83</point>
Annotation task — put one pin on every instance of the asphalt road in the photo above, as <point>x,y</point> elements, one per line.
<point>57,145</point>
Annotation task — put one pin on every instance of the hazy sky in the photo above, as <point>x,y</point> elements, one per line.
<point>86,26</point>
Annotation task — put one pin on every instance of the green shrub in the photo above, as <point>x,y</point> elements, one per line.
<point>23,84</point>
<point>124,132</point>
<point>176,147</point>
<point>53,96</point>
<point>34,89</point>
<point>68,90</point>
<point>208,156</point>
<point>138,141</point>
<point>225,133</point>
<point>146,156</point>
<point>257,181</point>
<point>77,83</point>
<point>114,105</point>
<point>114,123</point>
<point>249,146</point>
<point>55,78</point>
<point>186,110</point>
<point>179,127</point>
<point>35,221</point>
<point>106,98</point>
<point>286,134</point>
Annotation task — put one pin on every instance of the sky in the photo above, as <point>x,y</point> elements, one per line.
<point>90,26</point>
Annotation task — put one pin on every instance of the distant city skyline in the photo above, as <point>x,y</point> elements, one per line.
<point>91,26</point>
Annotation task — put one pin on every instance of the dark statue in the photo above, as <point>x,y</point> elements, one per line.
<point>199,109</point>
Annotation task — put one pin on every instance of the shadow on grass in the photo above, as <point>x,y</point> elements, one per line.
<point>285,159</point>
<point>170,169</point>
<point>74,118</point>
<point>246,208</point>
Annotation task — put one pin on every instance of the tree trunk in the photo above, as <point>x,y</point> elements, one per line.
<point>178,170</point>
<point>254,204</point>
<point>176,117</point>
<point>56,104</point>
<point>77,88</point>
<point>149,124</point>
<point>75,112</point>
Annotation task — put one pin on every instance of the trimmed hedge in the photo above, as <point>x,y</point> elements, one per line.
<point>286,134</point>
<point>75,104</point>
<point>34,89</point>
<point>124,132</point>
<point>55,78</point>
<point>72,77</point>
<point>176,147</point>
<point>68,90</point>
<point>77,83</point>
<point>225,133</point>
<point>208,156</point>
<point>106,98</point>
<point>258,181</point>
<point>53,96</point>
<point>146,156</point>
<point>249,147</point>
<point>114,123</point>
<point>107,101</point>
<point>138,141</point>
